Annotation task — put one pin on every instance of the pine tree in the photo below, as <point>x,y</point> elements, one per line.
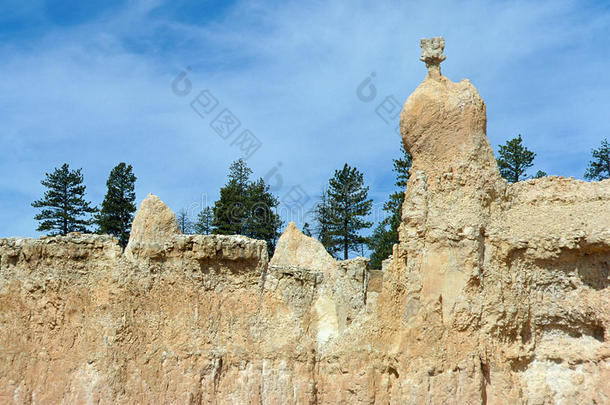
<point>64,208</point>
<point>205,218</point>
<point>230,211</point>
<point>348,204</point>
<point>385,234</point>
<point>117,210</point>
<point>247,207</point>
<point>263,221</point>
<point>514,160</point>
<point>381,242</point>
<point>323,231</point>
<point>539,174</point>
<point>599,169</point>
<point>184,222</point>
<point>306,230</point>
<point>393,207</point>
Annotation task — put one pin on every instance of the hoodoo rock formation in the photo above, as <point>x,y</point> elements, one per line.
<point>504,288</point>
<point>497,293</point>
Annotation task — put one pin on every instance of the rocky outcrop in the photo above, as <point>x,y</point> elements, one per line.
<point>80,322</point>
<point>182,318</point>
<point>497,293</point>
<point>296,249</point>
<point>338,288</point>
<point>152,226</point>
<point>501,290</point>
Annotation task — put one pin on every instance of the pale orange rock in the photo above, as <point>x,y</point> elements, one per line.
<point>297,249</point>
<point>153,224</point>
<point>496,293</point>
<point>502,282</point>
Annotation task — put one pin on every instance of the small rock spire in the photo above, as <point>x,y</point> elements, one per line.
<point>432,54</point>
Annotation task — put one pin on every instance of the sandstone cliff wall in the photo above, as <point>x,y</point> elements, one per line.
<point>195,319</point>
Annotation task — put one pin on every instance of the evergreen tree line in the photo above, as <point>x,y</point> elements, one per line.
<point>514,159</point>
<point>64,208</point>
<point>247,207</point>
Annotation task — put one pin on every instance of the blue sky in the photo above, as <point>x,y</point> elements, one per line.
<point>90,83</point>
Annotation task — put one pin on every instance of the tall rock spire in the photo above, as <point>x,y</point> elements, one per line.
<point>443,124</point>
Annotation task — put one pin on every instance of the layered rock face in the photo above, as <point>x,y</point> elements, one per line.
<point>497,293</point>
<point>175,319</point>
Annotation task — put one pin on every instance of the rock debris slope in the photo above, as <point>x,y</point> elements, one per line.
<point>497,293</point>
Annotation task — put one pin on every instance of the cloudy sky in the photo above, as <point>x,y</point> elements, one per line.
<point>94,83</point>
